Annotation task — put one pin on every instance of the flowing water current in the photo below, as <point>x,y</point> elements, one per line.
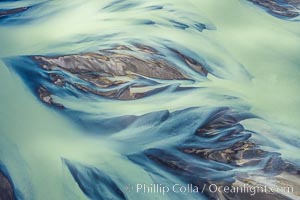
<point>101,96</point>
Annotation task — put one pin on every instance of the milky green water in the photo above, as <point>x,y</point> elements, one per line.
<point>266,46</point>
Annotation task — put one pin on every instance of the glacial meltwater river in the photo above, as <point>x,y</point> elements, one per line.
<point>82,144</point>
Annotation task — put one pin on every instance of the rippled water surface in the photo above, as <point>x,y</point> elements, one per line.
<point>101,96</point>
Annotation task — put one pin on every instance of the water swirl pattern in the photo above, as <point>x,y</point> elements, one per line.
<point>118,99</point>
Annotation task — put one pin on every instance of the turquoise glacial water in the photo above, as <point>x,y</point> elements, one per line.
<point>254,67</point>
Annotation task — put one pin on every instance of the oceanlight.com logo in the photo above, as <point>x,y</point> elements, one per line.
<point>208,188</point>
